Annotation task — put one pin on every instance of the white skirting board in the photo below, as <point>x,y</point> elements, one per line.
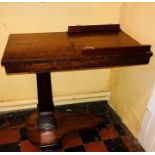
<point>58,100</point>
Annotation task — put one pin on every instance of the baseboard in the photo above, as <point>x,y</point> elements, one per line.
<point>58,100</point>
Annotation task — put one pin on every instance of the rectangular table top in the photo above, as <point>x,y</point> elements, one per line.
<point>82,47</point>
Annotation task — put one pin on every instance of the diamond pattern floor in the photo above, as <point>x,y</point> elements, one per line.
<point>109,136</point>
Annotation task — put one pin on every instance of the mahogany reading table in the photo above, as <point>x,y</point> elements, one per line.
<point>82,47</point>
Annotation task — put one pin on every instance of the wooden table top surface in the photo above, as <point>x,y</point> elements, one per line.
<point>41,46</point>
<point>50,47</point>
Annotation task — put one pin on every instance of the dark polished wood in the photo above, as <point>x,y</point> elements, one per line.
<point>65,124</point>
<point>45,99</point>
<point>46,120</point>
<point>59,51</point>
<point>82,47</point>
<point>130,50</point>
<point>94,28</point>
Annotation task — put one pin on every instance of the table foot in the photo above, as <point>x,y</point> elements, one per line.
<point>51,128</point>
<point>52,147</point>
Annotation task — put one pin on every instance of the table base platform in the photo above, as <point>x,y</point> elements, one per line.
<point>65,123</point>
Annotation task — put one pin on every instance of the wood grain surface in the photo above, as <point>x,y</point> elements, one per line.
<point>91,47</point>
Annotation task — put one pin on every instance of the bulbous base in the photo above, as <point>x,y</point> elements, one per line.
<point>51,129</point>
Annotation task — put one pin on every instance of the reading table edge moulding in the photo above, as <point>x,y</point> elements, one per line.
<point>82,47</point>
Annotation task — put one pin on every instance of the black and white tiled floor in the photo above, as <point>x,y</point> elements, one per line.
<point>109,136</point>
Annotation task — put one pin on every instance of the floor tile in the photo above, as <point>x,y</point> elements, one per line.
<point>101,126</point>
<point>104,123</point>
<point>79,148</point>
<point>95,147</point>
<point>108,133</point>
<point>72,139</point>
<point>9,136</point>
<point>129,144</point>
<point>27,146</point>
<point>112,116</point>
<point>116,145</point>
<point>2,121</point>
<point>12,147</point>
<point>23,135</point>
<point>89,135</point>
<point>119,129</point>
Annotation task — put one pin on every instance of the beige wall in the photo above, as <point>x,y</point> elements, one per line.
<point>132,86</point>
<point>47,17</point>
